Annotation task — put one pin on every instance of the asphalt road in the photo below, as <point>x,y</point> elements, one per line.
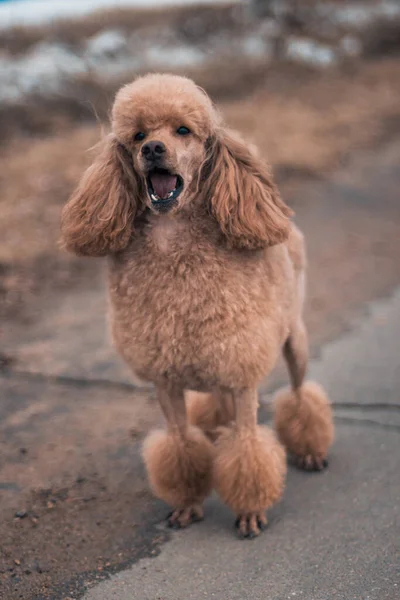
<point>335,535</point>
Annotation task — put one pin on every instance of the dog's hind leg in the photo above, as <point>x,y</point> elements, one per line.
<point>179,461</point>
<point>295,352</point>
<point>210,411</point>
<point>249,466</point>
<point>302,414</point>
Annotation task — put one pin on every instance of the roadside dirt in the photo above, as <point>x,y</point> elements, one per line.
<point>74,495</point>
<point>74,501</point>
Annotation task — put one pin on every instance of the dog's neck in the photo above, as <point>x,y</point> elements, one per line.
<point>181,229</point>
<point>164,229</point>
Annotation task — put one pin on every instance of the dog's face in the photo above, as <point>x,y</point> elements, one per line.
<point>164,122</point>
<point>168,157</point>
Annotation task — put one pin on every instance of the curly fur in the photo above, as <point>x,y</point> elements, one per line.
<point>207,412</point>
<point>242,195</point>
<point>205,294</point>
<point>106,225</point>
<point>179,467</point>
<point>257,461</point>
<point>303,420</point>
<point>202,411</point>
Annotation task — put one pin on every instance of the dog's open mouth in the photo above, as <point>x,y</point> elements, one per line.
<point>163,187</point>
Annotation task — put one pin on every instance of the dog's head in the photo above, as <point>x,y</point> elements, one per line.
<point>168,151</point>
<point>164,122</point>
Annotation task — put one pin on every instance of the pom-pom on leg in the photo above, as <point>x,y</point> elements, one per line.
<point>249,475</point>
<point>179,467</point>
<point>249,467</point>
<point>304,424</point>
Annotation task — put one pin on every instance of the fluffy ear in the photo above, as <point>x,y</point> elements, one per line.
<point>98,218</point>
<point>242,196</point>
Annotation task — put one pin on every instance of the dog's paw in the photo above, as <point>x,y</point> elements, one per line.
<point>310,462</point>
<point>251,525</point>
<point>182,517</point>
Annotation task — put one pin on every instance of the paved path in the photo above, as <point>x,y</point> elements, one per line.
<point>335,535</point>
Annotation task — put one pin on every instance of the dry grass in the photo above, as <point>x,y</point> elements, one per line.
<point>34,182</point>
<point>313,125</point>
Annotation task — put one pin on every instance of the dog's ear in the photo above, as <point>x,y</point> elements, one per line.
<point>98,218</point>
<point>241,194</point>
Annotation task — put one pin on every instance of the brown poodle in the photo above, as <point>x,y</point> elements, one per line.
<point>206,277</point>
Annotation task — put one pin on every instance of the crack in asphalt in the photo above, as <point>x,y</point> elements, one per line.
<point>370,406</point>
<point>130,387</point>
<point>77,382</point>
<point>366,422</point>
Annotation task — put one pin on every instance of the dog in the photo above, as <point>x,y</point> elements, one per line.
<point>206,281</point>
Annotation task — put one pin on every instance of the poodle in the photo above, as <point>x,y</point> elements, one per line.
<point>206,281</point>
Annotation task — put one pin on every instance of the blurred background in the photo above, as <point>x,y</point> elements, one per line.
<point>314,83</point>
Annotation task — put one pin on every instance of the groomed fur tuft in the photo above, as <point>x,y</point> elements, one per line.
<point>303,420</point>
<point>205,411</point>
<point>249,469</point>
<point>242,195</point>
<point>179,468</point>
<point>202,411</point>
<point>98,219</point>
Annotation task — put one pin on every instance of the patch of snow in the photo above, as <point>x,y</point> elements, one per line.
<point>351,46</point>
<point>354,16</point>
<point>390,9</point>
<point>256,47</point>
<point>310,52</point>
<point>34,12</point>
<point>41,71</point>
<point>111,67</point>
<point>178,56</point>
<point>270,28</point>
<point>359,15</point>
<point>106,43</point>
<point>48,66</point>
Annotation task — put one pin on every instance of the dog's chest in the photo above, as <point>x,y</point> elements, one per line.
<point>171,282</point>
<point>167,276</point>
<point>178,300</point>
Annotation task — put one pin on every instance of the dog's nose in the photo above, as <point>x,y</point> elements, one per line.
<point>153,150</point>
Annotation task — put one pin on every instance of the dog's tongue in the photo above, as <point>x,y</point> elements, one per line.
<point>163,183</point>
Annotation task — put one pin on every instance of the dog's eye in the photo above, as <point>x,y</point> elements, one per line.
<point>139,136</point>
<point>183,130</point>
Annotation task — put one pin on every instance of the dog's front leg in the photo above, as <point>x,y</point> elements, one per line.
<point>249,467</point>
<point>179,460</point>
